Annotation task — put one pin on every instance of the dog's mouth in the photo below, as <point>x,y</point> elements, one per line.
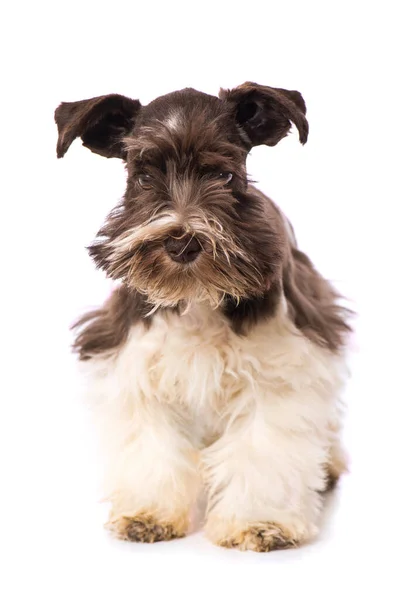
<point>190,275</point>
<point>171,265</point>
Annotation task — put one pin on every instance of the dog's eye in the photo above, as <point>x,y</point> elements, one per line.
<point>145,181</point>
<point>225,177</point>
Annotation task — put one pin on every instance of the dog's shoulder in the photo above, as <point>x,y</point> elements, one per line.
<point>106,328</point>
<point>314,305</point>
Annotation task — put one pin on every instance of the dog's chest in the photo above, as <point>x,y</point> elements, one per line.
<point>195,365</point>
<point>195,359</point>
<point>198,365</point>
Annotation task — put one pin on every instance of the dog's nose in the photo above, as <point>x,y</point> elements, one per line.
<point>183,249</point>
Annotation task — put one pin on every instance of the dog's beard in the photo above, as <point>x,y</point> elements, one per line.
<point>166,283</point>
<point>222,269</point>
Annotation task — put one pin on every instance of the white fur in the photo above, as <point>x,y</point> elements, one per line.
<point>256,415</point>
<point>150,230</point>
<point>162,224</point>
<point>173,121</point>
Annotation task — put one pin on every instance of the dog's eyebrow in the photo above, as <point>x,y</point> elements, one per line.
<point>148,155</point>
<point>151,149</point>
<point>140,144</point>
<point>214,161</point>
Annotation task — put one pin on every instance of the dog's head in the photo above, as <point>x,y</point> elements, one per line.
<point>189,227</point>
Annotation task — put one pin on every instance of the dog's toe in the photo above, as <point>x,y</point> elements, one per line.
<point>145,529</point>
<point>261,538</point>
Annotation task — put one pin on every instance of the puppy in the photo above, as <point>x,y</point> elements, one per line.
<point>219,358</point>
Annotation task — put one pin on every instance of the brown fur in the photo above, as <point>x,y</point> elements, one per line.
<point>248,256</point>
<point>265,114</point>
<point>313,303</point>
<point>100,122</point>
<point>260,538</point>
<point>106,328</point>
<point>331,481</point>
<point>145,529</point>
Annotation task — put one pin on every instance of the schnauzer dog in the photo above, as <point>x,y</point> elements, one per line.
<point>220,356</point>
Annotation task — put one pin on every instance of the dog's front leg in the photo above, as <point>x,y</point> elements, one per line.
<point>151,474</point>
<point>265,471</point>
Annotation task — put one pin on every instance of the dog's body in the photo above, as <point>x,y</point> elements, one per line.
<point>220,356</point>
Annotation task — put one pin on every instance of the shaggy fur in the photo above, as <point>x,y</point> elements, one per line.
<point>219,358</point>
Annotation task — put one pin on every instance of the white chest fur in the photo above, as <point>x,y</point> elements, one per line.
<point>196,363</point>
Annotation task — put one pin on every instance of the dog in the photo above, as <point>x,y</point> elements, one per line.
<point>219,360</point>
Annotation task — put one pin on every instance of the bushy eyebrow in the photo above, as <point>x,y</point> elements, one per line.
<point>160,150</point>
<point>150,158</point>
<point>201,162</point>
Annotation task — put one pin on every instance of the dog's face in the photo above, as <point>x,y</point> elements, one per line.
<point>188,228</point>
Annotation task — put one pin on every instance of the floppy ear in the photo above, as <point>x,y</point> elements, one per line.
<point>101,122</point>
<point>264,114</point>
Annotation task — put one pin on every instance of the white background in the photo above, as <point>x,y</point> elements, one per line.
<point>341,191</point>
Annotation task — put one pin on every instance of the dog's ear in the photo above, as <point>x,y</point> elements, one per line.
<point>264,114</point>
<point>100,122</point>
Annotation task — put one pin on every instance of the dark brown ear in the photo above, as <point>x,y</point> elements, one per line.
<point>264,114</point>
<point>101,122</point>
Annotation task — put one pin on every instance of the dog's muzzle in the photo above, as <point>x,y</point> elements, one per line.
<point>183,249</point>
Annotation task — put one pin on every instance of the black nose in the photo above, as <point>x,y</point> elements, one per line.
<point>183,249</point>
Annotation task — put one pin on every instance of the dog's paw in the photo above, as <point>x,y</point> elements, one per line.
<point>258,537</point>
<point>147,529</point>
